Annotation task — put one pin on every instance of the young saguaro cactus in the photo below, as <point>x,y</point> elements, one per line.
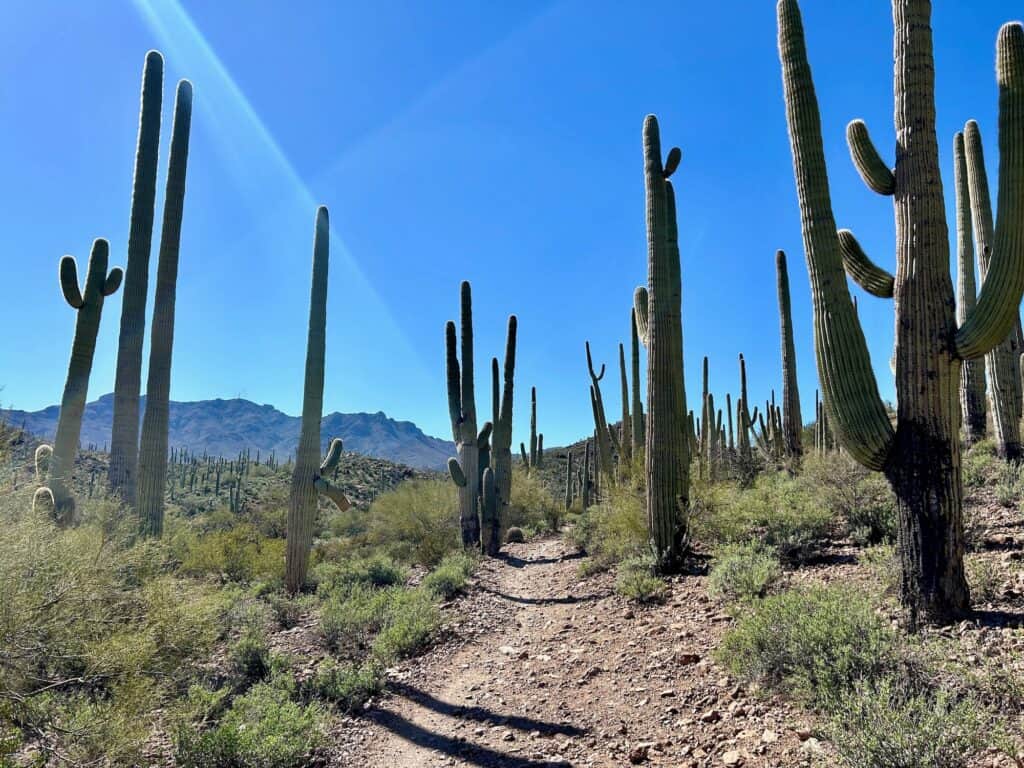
<point>972,378</point>
<point>921,456</point>
<point>462,410</point>
<point>666,458</point>
<point>88,303</point>
<point>152,471</point>
<point>124,440</point>
<point>309,474</point>
<point>792,423</point>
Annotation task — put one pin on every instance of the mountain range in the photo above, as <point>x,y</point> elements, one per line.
<point>225,427</point>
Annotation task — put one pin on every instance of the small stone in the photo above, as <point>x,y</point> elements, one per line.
<point>769,737</point>
<point>732,757</point>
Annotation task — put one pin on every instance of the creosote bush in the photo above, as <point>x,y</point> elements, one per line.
<point>636,580</point>
<point>532,507</point>
<point>450,576</point>
<point>417,521</point>
<point>614,529</point>
<point>861,498</point>
<point>744,571</point>
<point>349,686</point>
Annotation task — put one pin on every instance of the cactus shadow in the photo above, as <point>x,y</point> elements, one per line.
<point>566,600</point>
<point>518,562</point>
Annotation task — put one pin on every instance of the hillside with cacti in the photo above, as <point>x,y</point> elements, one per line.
<point>700,579</point>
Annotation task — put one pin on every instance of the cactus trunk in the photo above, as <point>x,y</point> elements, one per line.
<point>667,461</point>
<point>792,423</point>
<point>462,409</point>
<point>153,446</point>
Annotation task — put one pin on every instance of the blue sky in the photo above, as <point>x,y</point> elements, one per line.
<point>494,142</point>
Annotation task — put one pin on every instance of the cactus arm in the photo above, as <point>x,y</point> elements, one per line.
<point>113,281</point>
<point>330,461</point>
<point>468,398</point>
<point>332,492</point>
<point>640,307</point>
<point>509,376</point>
<point>68,271</point>
<point>455,470</point>
<point>999,298</point>
<point>869,164</point>
<point>454,375</point>
<point>495,393</point>
<point>862,269</point>
<point>844,366</point>
<point>590,366</point>
<point>485,435</point>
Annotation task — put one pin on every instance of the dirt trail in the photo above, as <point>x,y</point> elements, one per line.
<point>543,668</point>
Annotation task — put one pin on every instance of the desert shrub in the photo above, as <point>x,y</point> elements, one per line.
<point>636,580</point>
<point>744,571</point>
<point>814,642</point>
<point>980,464</point>
<point>614,529</point>
<point>884,566</point>
<point>410,621</point>
<point>349,686</point>
<point>250,657</point>
<point>861,497</point>
<point>288,611</point>
<point>450,576</point>
<point>893,723</point>
<point>781,511</point>
<point>265,728</point>
<point>532,507</point>
<point>349,618</point>
<point>515,535</point>
<point>417,521</point>
<point>239,554</point>
<point>983,577</point>
<point>1009,483</point>
<point>373,571</point>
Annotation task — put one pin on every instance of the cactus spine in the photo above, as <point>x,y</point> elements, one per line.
<point>501,438</point>
<point>60,460</point>
<point>1001,361</point>
<point>309,475</point>
<point>792,423</point>
<point>666,458</point>
<point>152,480</point>
<point>921,457</point>
<point>972,377</point>
<point>124,440</point>
<point>462,409</point>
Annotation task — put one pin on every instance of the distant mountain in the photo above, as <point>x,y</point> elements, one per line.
<point>225,427</point>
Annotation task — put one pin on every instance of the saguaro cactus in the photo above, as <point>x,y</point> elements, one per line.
<point>462,409</point>
<point>501,439</point>
<point>792,423</point>
<point>921,457</point>
<point>666,460</point>
<point>972,378</point>
<point>1000,361</point>
<point>637,431</point>
<point>153,446</point>
<point>124,438</point>
<point>89,305</point>
<point>605,449</point>
<point>533,427</point>
<point>626,428</point>
<point>309,474</point>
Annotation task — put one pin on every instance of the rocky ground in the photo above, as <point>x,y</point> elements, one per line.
<point>543,667</point>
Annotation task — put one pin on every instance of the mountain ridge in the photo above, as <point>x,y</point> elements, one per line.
<point>223,427</point>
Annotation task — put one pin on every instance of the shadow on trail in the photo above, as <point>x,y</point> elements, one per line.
<point>998,618</point>
<point>479,755</point>
<point>567,600</point>
<point>518,562</point>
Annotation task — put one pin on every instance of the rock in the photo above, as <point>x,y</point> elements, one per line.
<point>812,747</point>
<point>638,754</point>
<point>769,737</point>
<point>732,757</point>
<point>711,716</point>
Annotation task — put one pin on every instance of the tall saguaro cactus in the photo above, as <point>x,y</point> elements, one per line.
<point>605,450</point>
<point>921,456</point>
<point>462,409</point>
<point>792,423</point>
<point>626,428</point>
<point>124,438</point>
<point>89,305</point>
<point>972,378</point>
<point>637,431</point>
<point>501,439</point>
<point>666,459</point>
<point>1000,361</point>
<point>153,446</point>
<point>309,476</point>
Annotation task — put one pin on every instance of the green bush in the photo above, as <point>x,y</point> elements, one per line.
<point>983,577</point>
<point>250,657</point>
<point>372,571</point>
<point>410,621</point>
<point>891,723</point>
<point>532,507</point>
<point>814,642</point>
<point>786,513</point>
<point>264,728</point>
<point>239,554</point>
<point>350,618</point>
<point>417,521</point>
<point>349,686</point>
<point>450,576</point>
<point>636,580</point>
<point>981,464</point>
<point>862,498</point>
<point>744,571</point>
<point>1009,483</point>
<point>615,529</point>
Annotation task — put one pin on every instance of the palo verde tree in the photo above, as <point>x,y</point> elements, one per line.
<point>921,455</point>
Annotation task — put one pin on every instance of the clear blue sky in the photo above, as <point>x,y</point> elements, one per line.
<point>495,142</point>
